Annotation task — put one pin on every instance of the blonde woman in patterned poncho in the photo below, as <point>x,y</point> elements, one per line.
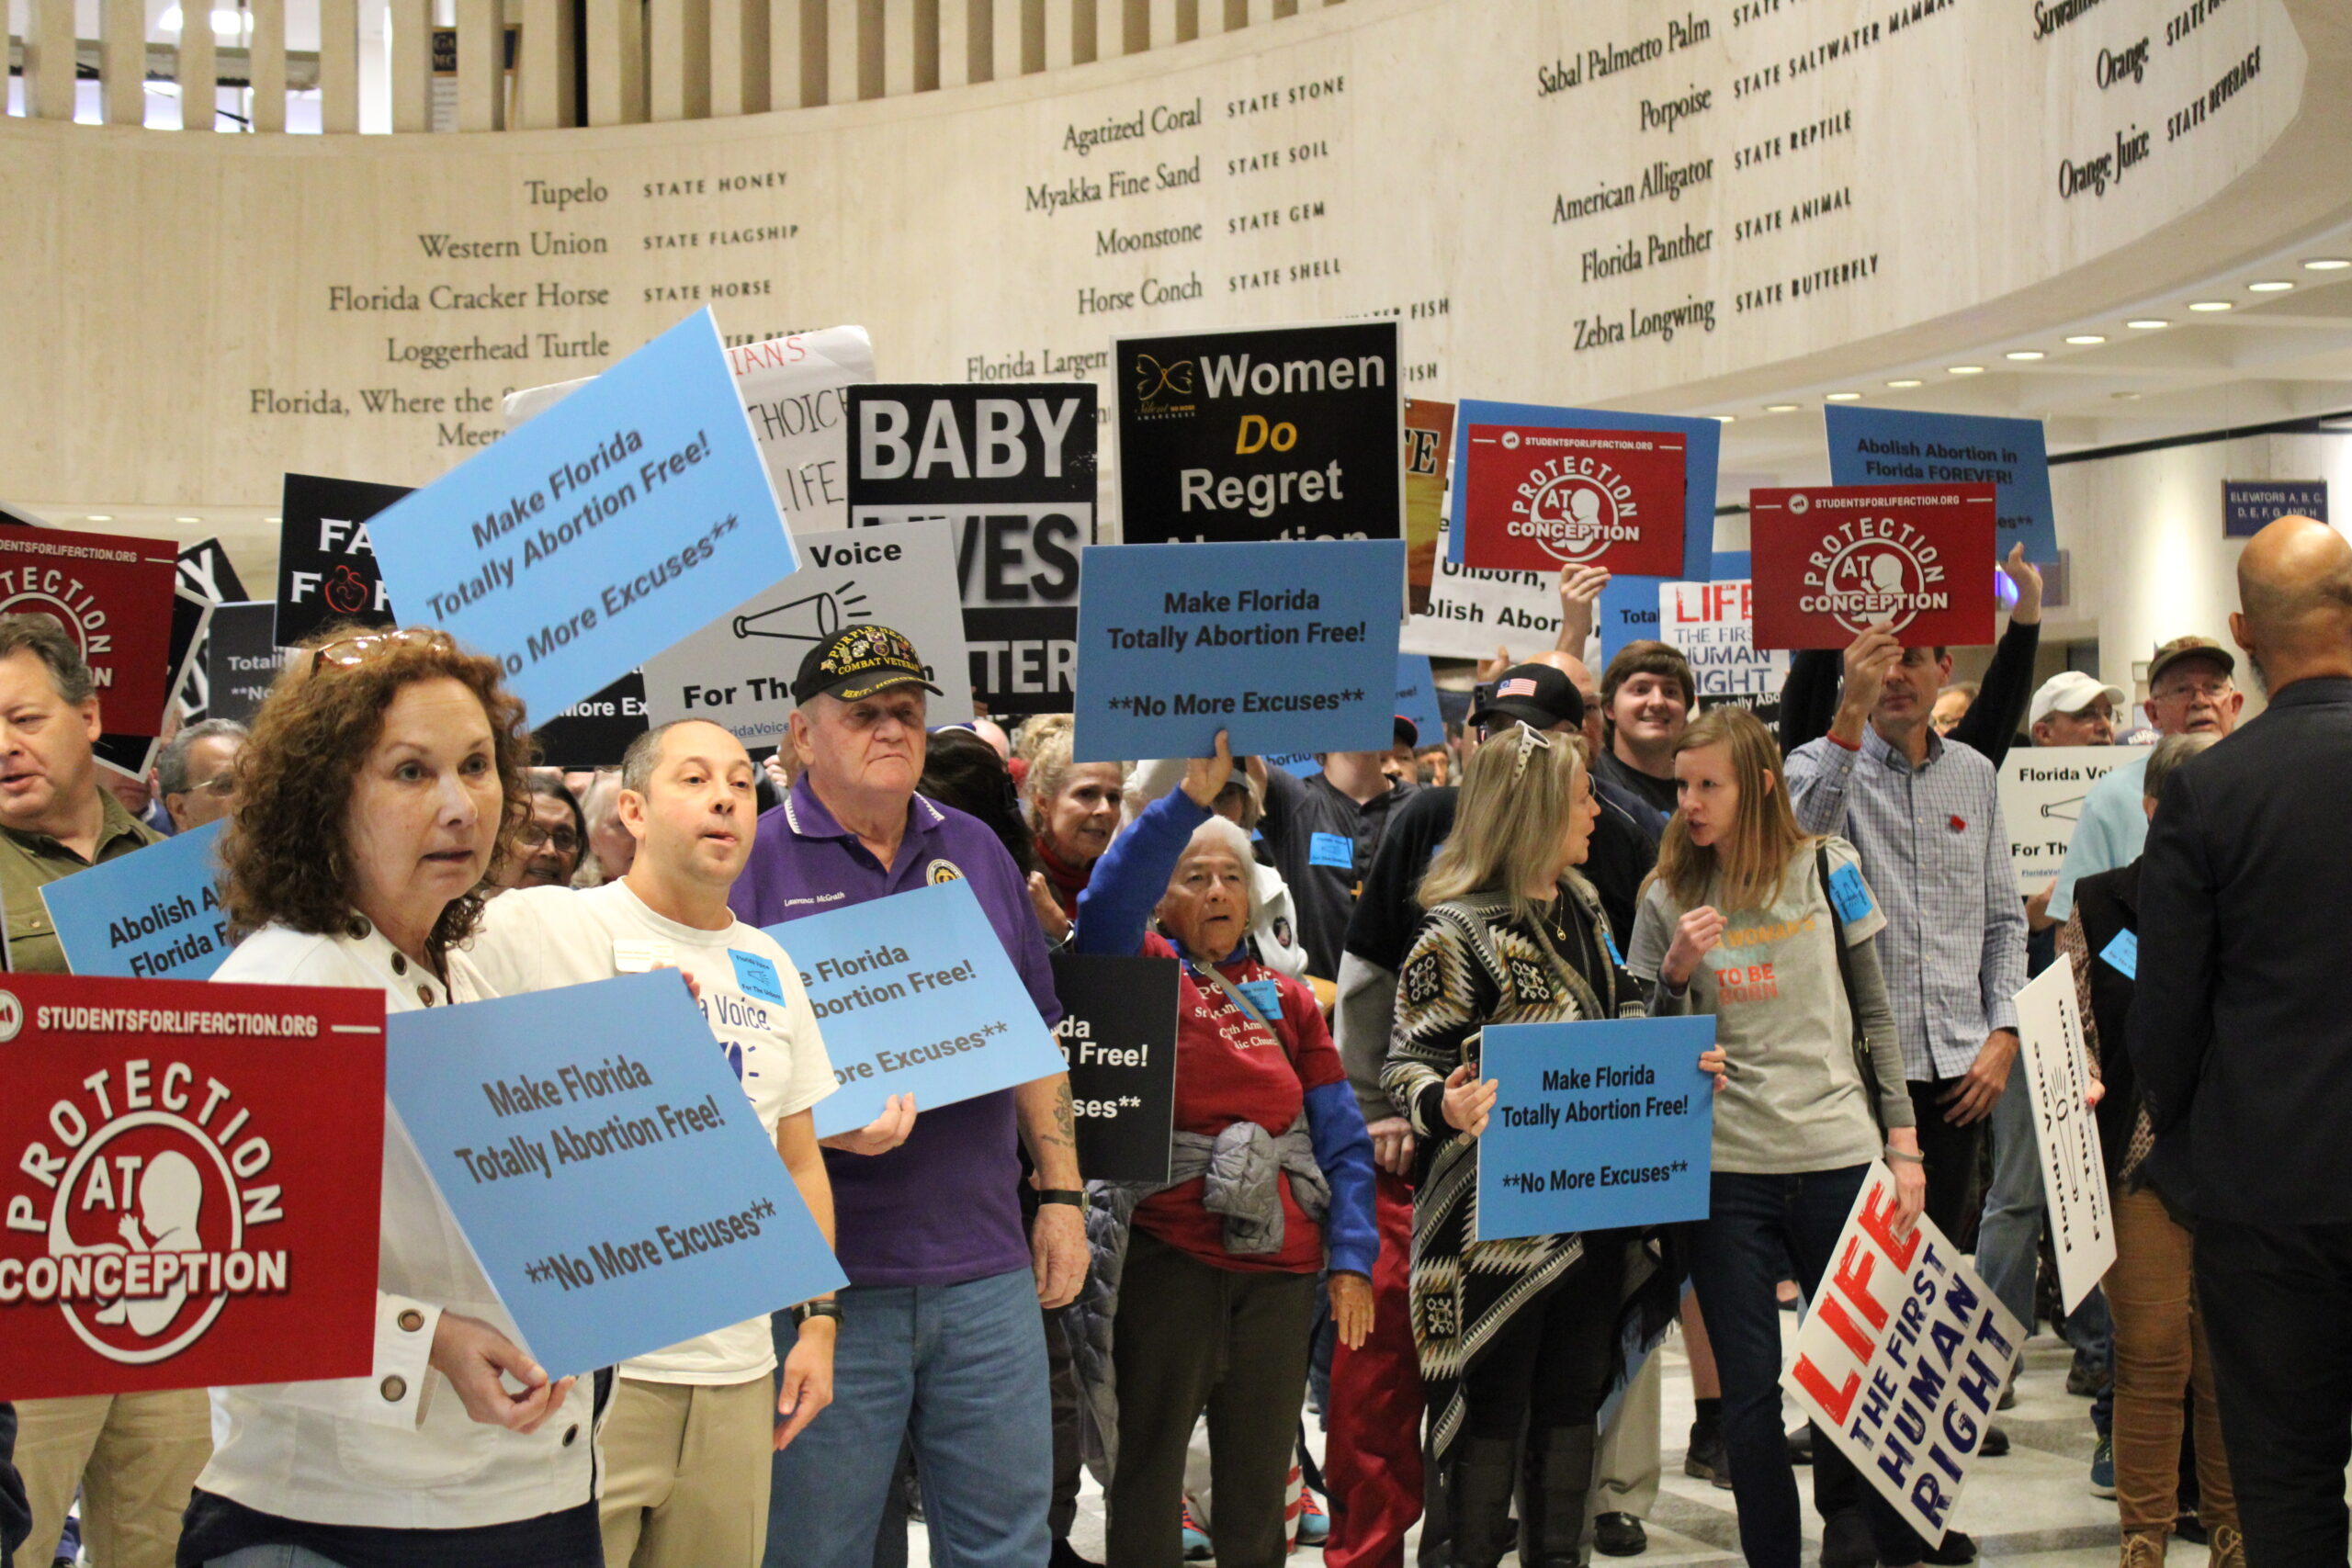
<point>1521,1336</point>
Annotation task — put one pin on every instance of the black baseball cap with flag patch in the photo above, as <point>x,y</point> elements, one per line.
<point>1533,694</point>
<point>858,662</point>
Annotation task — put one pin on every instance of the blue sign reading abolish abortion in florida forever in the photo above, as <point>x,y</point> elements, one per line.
<point>1595,1125</point>
<point>624,518</point>
<point>1292,646</point>
<point>1894,446</point>
<point>915,995</point>
<point>152,916</point>
<point>604,1166</point>
<point>1703,444</point>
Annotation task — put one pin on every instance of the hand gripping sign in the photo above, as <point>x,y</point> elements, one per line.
<point>191,1186</point>
<point>1903,1358</point>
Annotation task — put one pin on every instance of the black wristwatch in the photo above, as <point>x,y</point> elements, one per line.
<point>808,1310</point>
<point>1071,1195</point>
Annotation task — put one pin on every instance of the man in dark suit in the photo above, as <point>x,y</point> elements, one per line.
<point>2241,1032</point>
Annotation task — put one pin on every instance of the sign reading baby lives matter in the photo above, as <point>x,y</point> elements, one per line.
<point>632,512</point>
<point>1291,647</point>
<point>1903,1358</point>
<point>1261,433</point>
<point>916,996</point>
<point>2041,800</point>
<point>1913,558</point>
<point>2073,1167</point>
<point>191,1181</point>
<point>610,1177</point>
<point>1118,1036</point>
<point>149,916</point>
<point>1540,499</point>
<point>1596,1125</point>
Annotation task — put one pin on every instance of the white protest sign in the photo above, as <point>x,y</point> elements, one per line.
<point>1713,625</point>
<point>1471,612</point>
<point>794,388</point>
<point>1903,1358</point>
<point>2073,1164</point>
<point>737,670</point>
<point>2041,799</point>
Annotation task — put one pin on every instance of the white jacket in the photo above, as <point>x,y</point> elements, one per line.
<point>394,1450</point>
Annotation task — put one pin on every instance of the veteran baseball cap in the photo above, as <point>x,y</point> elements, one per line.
<point>1533,694</point>
<point>2071,692</point>
<point>2182,648</point>
<point>858,662</point>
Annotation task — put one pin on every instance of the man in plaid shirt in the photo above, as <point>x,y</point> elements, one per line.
<point>1924,812</point>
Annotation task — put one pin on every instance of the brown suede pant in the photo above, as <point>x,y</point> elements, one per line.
<point>2159,1354</point>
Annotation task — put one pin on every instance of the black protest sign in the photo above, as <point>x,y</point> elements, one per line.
<point>594,732</point>
<point>207,572</point>
<point>134,754</point>
<point>1118,1034</point>
<point>1271,433</point>
<point>1012,467</point>
<point>241,658</point>
<point>326,564</point>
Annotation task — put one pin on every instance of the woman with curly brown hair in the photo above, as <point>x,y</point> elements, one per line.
<point>382,786</point>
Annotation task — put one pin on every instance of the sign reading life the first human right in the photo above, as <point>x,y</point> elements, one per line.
<point>632,512</point>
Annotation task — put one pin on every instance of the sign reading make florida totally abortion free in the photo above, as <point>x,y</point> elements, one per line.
<point>191,1181</point>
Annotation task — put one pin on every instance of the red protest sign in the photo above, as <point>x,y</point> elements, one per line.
<point>1914,559</point>
<point>1538,499</point>
<point>190,1191</point>
<point>114,595</point>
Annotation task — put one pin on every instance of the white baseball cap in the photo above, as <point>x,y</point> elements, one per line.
<point>2071,691</point>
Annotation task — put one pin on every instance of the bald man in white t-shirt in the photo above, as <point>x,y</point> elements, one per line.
<point>688,1440</point>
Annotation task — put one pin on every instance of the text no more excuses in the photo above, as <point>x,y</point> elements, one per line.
<point>910,982</point>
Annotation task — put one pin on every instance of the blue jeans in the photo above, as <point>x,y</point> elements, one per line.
<point>960,1370</point>
<point>1754,1225</point>
<point>2008,1239</point>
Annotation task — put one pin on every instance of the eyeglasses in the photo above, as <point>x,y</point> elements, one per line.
<point>222,783</point>
<point>345,653</point>
<point>2212,690</point>
<point>533,836</point>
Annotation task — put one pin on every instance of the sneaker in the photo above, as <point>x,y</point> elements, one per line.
<point>2008,1398</point>
<point>2229,1547</point>
<point>1705,1458</point>
<point>2103,1469</point>
<point>1997,1443</point>
<point>1845,1541</point>
<point>1952,1551</point>
<point>1314,1523</point>
<point>1800,1445</point>
<point>2083,1379</point>
<point>1618,1535</point>
<point>1196,1540</point>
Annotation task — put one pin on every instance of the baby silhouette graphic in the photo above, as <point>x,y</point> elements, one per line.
<point>171,1194</point>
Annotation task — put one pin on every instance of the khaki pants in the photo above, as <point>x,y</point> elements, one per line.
<point>1626,1479</point>
<point>2160,1355</point>
<point>686,1470</point>
<point>136,1457</point>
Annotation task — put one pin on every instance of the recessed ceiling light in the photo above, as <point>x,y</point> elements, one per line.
<point>1725,418</point>
<point>1907,381</point>
<point>1780,408</point>
<point>273,520</point>
<point>2024,354</point>
<point>2327,264</point>
<point>1966,369</point>
<point>2082,339</point>
<point>187,519</point>
<point>98,517</point>
<point>2270,285</point>
<point>1845,397</point>
<point>2147,324</point>
<point>2125,397</point>
<point>2210,305</point>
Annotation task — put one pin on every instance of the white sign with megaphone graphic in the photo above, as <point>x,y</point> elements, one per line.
<point>737,670</point>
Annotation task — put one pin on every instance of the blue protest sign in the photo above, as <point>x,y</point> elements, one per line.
<point>604,1166</point>
<point>1416,697</point>
<point>1702,443</point>
<point>916,996</point>
<point>151,916</point>
<point>1292,646</point>
<point>1596,1125</point>
<point>1881,447</point>
<point>625,517</point>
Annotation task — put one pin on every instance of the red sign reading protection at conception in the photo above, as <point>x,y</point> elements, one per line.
<point>1916,560</point>
<point>113,596</point>
<point>1541,498</point>
<point>191,1183</point>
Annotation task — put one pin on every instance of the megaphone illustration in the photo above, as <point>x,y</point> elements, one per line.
<point>812,618</point>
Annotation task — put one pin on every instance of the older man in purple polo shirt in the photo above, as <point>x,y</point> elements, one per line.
<point>940,1337</point>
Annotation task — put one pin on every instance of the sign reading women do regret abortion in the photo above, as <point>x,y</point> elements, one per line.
<point>628,515</point>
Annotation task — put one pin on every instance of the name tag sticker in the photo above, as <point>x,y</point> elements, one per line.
<point>2123,954</point>
<point>1609,940</point>
<point>1848,893</point>
<point>756,976</point>
<point>1336,849</point>
<point>1264,994</point>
